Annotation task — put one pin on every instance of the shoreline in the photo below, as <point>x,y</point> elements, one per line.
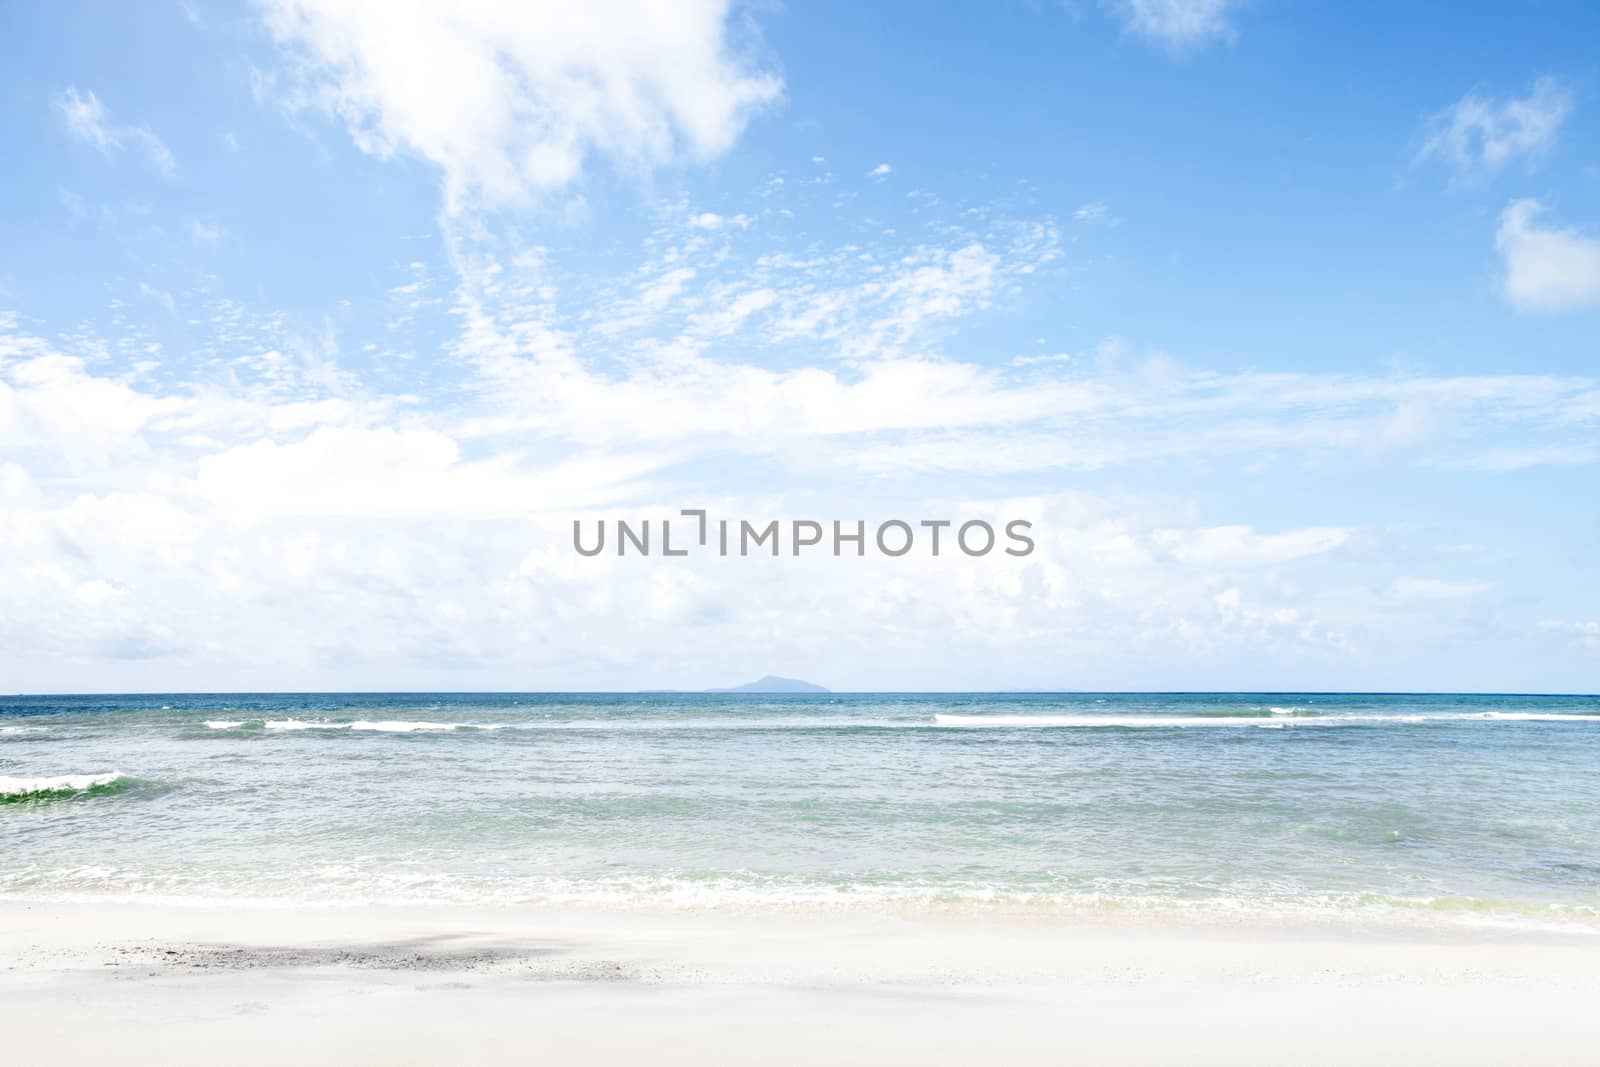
<point>1336,915</point>
<point>180,984</point>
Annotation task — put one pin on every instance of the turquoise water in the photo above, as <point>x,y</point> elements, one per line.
<point>1457,808</point>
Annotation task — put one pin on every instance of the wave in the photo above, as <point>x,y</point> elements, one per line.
<point>724,892</point>
<point>406,726</point>
<point>1099,721</point>
<point>63,785</point>
<point>1533,716</point>
<point>1275,718</point>
<point>744,723</point>
<point>1260,721</point>
<point>387,726</point>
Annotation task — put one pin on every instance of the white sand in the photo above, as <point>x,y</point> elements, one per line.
<point>149,984</point>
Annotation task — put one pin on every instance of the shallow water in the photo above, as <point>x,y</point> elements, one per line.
<point>1456,808</point>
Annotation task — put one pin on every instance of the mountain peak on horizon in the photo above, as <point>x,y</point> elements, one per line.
<point>772,683</point>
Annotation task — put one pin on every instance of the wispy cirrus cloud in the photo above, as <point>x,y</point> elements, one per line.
<point>856,365</point>
<point>89,121</point>
<point>1480,134</point>
<point>1180,24</point>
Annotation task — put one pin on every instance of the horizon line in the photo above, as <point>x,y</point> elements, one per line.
<point>780,693</point>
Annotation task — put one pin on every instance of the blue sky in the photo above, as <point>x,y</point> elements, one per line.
<point>319,324</point>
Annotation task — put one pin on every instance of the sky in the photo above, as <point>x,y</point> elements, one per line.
<point>321,321</point>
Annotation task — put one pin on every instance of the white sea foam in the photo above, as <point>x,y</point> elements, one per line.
<point>415,726</point>
<point>346,887</point>
<point>1188,721</point>
<point>1277,718</point>
<point>1096,721</point>
<point>1532,716</point>
<point>387,726</point>
<point>744,723</point>
<point>15,788</point>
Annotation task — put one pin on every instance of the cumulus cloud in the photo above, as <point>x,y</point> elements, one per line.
<point>511,100</point>
<point>162,581</point>
<point>89,121</point>
<point>1481,134</point>
<point>197,523</point>
<point>1547,268</point>
<point>214,555</point>
<point>1179,24</point>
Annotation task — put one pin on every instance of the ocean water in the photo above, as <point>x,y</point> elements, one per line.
<point>1455,809</point>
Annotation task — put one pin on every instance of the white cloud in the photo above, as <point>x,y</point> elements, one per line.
<point>167,578</point>
<point>1417,589</point>
<point>1179,23</point>
<point>164,531</point>
<point>511,100</point>
<point>160,296</point>
<point>1546,269</point>
<point>1047,357</point>
<point>382,472</point>
<point>88,120</point>
<point>710,220</point>
<point>1583,634</point>
<point>214,560</point>
<point>73,203</point>
<point>194,523</point>
<point>1093,213</point>
<point>733,343</point>
<point>882,170</point>
<point>1242,546</point>
<point>1481,134</point>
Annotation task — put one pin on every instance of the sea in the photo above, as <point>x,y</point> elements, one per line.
<point>1435,809</point>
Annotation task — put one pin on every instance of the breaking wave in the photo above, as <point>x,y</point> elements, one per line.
<point>387,726</point>
<point>1277,719</point>
<point>63,785</point>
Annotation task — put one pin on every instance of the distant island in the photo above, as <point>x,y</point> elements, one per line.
<point>773,684</point>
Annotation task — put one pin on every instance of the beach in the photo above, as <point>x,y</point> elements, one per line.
<point>143,983</point>
<point>957,878</point>
<point>654,532</point>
